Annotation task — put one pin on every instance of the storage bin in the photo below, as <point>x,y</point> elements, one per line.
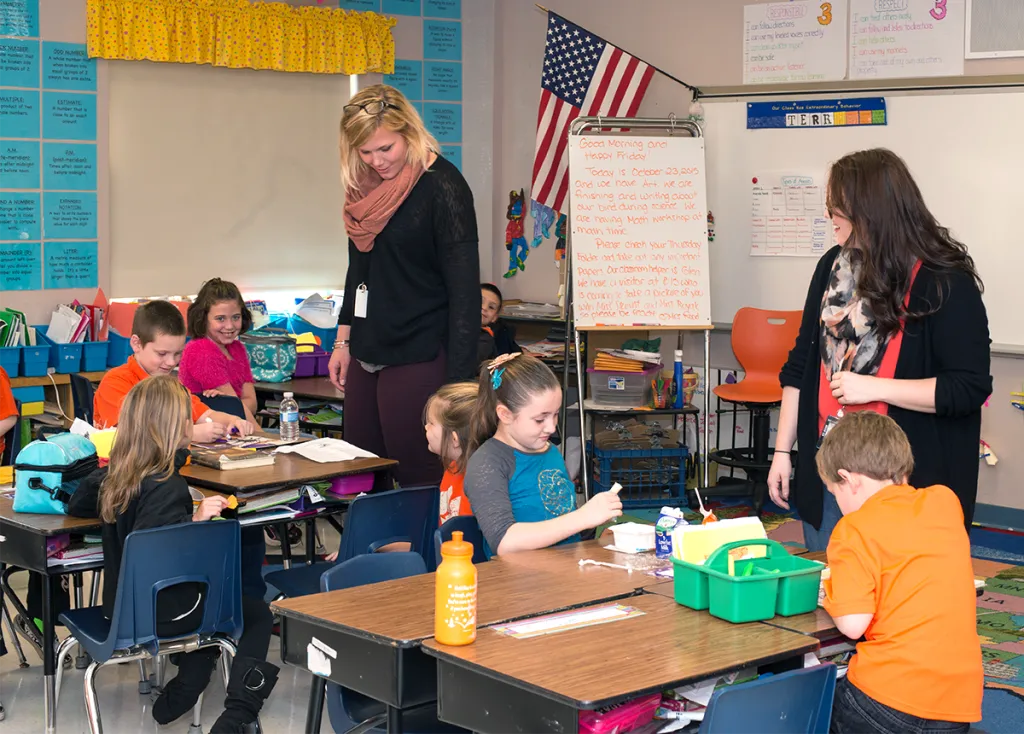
<point>29,394</point>
<point>119,350</point>
<point>64,358</point>
<point>298,325</point>
<point>633,537</point>
<point>760,588</point>
<point>35,360</point>
<point>352,484</point>
<point>312,364</point>
<point>649,477</point>
<point>10,360</point>
<point>622,389</point>
<point>94,356</point>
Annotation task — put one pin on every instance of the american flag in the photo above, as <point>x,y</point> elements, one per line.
<point>583,75</point>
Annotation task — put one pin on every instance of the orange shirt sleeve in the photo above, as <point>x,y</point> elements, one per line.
<point>112,390</point>
<point>7,406</point>
<point>198,409</point>
<point>852,587</point>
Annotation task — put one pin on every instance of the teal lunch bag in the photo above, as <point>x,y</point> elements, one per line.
<point>272,354</point>
<point>47,472</point>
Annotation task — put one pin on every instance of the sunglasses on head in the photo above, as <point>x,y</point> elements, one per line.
<point>373,107</point>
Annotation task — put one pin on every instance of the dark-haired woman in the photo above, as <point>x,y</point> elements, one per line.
<point>893,322</point>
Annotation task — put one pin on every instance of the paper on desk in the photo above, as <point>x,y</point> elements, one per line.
<point>81,428</point>
<point>699,692</point>
<point>562,621</point>
<point>327,450</point>
<point>318,657</point>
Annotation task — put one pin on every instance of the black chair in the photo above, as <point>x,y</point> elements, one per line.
<point>225,404</point>
<point>12,439</point>
<point>82,394</point>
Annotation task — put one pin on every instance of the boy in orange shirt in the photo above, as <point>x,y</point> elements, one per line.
<point>8,410</point>
<point>158,338</point>
<point>901,577</point>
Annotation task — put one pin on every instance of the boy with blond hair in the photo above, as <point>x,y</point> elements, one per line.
<point>901,577</point>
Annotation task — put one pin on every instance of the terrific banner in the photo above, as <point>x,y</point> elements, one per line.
<point>816,113</point>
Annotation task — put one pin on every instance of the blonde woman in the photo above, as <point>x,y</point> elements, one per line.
<point>143,489</point>
<point>411,315</point>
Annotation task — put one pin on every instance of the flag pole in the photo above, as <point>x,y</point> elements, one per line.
<point>695,90</point>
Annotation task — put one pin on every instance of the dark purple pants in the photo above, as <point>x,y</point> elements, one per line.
<point>384,414</point>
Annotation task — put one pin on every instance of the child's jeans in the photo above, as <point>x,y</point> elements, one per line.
<point>854,712</point>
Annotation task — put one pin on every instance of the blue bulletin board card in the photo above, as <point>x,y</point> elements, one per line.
<point>442,9</point>
<point>442,39</point>
<point>444,121</point>
<point>19,113</point>
<point>442,81</point>
<point>68,66</point>
<point>22,270</point>
<point>453,153</point>
<point>19,215</point>
<point>69,215</point>
<point>69,116</point>
<point>69,166</point>
<point>19,18</point>
<point>402,7</point>
<point>407,79</point>
<point>19,63</point>
<point>19,164</point>
<point>70,265</point>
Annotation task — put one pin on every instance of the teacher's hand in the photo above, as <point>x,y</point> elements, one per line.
<point>849,388</point>
<point>338,368</point>
<point>778,479</point>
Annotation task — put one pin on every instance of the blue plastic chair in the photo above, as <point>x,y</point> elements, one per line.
<point>203,552</point>
<point>346,708</point>
<point>797,702</point>
<point>373,521</point>
<point>471,533</point>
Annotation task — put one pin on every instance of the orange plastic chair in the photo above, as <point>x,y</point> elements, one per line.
<point>761,341</point>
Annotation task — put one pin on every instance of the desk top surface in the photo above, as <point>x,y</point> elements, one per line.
<point>560,558</point>
<point>288,470</point>
<point>44,524</point>
<point>304,387</point>
<point>402,611</point>
<point>667,646</point>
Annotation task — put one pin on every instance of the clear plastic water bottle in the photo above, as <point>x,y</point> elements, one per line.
<point>289,418</point>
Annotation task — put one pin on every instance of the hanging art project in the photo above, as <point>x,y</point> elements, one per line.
<point>515,242</point>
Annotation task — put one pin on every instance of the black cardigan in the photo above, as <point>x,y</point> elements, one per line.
<point>423,278</point>
<point>952,345</point>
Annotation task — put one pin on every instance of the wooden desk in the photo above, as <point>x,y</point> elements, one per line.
<point>377,629</point>
<point>316,388</point>
<point>288,470</point>
<point>540,684</point>
<point>24,545</point>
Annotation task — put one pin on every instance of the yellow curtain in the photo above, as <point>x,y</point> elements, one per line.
<point>240,34</point>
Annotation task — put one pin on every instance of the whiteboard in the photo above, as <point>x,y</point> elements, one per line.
<point>963,150</point>
<point>638,220</point>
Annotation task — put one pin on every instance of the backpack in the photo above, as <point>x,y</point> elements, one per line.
<point>272,355</point>
<point>48,471</point>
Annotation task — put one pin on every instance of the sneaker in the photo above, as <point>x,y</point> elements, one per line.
<point>28,630</point>
<point>271,534</point>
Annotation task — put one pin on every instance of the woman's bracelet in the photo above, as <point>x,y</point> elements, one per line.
<point>340,344</point>
<point>780,451</point>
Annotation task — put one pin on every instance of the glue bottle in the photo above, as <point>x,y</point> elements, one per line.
<point>455,593</point>
<point>677,380</point>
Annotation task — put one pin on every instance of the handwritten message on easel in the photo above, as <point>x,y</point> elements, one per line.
<point>638,218</point>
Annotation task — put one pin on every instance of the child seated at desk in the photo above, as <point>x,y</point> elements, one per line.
<point>215,361</point>
<point>446,417</point>
<point>496,336</point>
<point>158,337</point>
<point>143,489</point>
<point>901,576</point>
<point>516,479</point>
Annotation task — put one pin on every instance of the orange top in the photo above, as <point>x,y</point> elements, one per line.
<point>115,386</point>
<point>904,557</point>
<point>453,496</point>
<point>7,406</point>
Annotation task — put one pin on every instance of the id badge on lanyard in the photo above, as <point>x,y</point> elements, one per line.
<point>830,423</point>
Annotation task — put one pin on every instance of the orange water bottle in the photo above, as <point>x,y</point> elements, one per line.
<point>455,593</point>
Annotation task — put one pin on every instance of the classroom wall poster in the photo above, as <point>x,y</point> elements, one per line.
<point>816,113</point>
<point>906,38</point>
<point>22,269</point>
<point>70,265</point>
<point>787,215</point>
<point>19,164</point>
<point>19,216</point>
<point>19,18</point>
<point>801,41</point>
<point>19,63</point>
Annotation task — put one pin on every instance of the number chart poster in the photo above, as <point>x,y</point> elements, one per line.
<point>906,38</point>
<point>794,42</point>
<point>48,157</point>
<point>638,218</point>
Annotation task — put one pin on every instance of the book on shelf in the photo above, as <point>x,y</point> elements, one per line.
<point>229,458</point>
<point>623,360</point>
<point>267,500</point>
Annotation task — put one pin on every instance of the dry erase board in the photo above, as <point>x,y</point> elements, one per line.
<point>638,218</point>
<point>964,150</point>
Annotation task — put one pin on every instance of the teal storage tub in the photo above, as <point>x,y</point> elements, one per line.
<point>64,358</point>
<point>119,349</point>
<point>35,360</point>
<point>94,356</point>
<point>10,360</point>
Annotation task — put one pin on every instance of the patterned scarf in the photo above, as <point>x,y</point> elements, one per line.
<point>368,210</point>
<point>849,340</point>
